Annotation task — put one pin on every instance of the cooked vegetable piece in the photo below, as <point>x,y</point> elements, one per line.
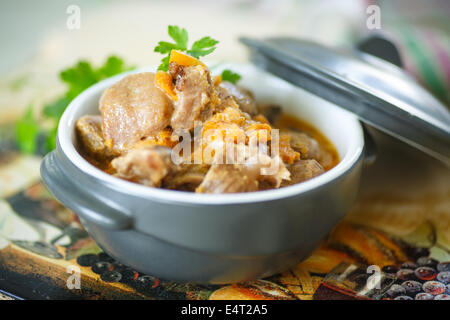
<point>165,82</point>
<point>217,80</point>
<point>287,153</point>
<point>184,60</point>
<point>132,109</point>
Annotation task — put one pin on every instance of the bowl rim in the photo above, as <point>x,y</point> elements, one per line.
<point>64,143</point>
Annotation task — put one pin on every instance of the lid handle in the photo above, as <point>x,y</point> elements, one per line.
<point>73,198</point>
<point>382,48</point>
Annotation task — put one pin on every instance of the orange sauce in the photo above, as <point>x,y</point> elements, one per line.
<point>287,121</point>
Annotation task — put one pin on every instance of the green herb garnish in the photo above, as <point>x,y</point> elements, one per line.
<point>202,47</point>
<point>81,76</point>
<point>77,78</point>
<point>230,76</point>
<point>199,48</point>
<point>27,130</point>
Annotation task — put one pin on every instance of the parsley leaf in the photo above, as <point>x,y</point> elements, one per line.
<point>202,47</point>
<point>56,108</point>
<point>83,75</point>
<point>164,66</point>
<point>180,36</point>
<point>27,130</point>
<point>50,141</point>
<point>199,48</point>
<point>112,66</point>
<point>78,78</point>
<point>230,76</point>
<point>165,47</point>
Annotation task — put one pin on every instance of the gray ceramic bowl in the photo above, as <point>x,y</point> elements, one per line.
<point>210,238</point>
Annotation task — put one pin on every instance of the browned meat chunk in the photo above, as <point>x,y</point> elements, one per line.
<point>147,166</point>
<point>304,144</point>
<point>303,170</point>
<point>271,112</point>
<point>196,95</point>
<point>269,171</point>
<point>227,178</point>
<point>187,178</point>
<point>231,178</point>
<point>89,132</point>
<point>326,158</point>
<point>132,109</point>
<point>242,96</point>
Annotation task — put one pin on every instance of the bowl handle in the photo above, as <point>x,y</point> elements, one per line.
<point>370,147</point>
<point>86,206</point>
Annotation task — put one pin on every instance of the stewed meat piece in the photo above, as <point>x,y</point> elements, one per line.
<point>304,144</point>
<point>197,97</point>
<point>242,96</point>
<point>271,112</point>
<point>132,109</point>
<point>309,148</point>
<point>187,178</point>
<point>147,166</point>
<point>89,133</point>
<point>303,170</point>
<point>153,166</point>
<point>228,178</point>
<point>231,178</point>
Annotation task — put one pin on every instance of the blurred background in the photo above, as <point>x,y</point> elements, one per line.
<point>37,43</point>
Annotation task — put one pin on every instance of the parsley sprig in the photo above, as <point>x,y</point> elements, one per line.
<point>199,48</point>
<point>77,78</point>
<point>230,76</point>
<point>82,75</point>
<point>27,130</point>
<point>202,47</point>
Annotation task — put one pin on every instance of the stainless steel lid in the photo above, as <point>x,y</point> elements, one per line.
<point>380,93</point>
